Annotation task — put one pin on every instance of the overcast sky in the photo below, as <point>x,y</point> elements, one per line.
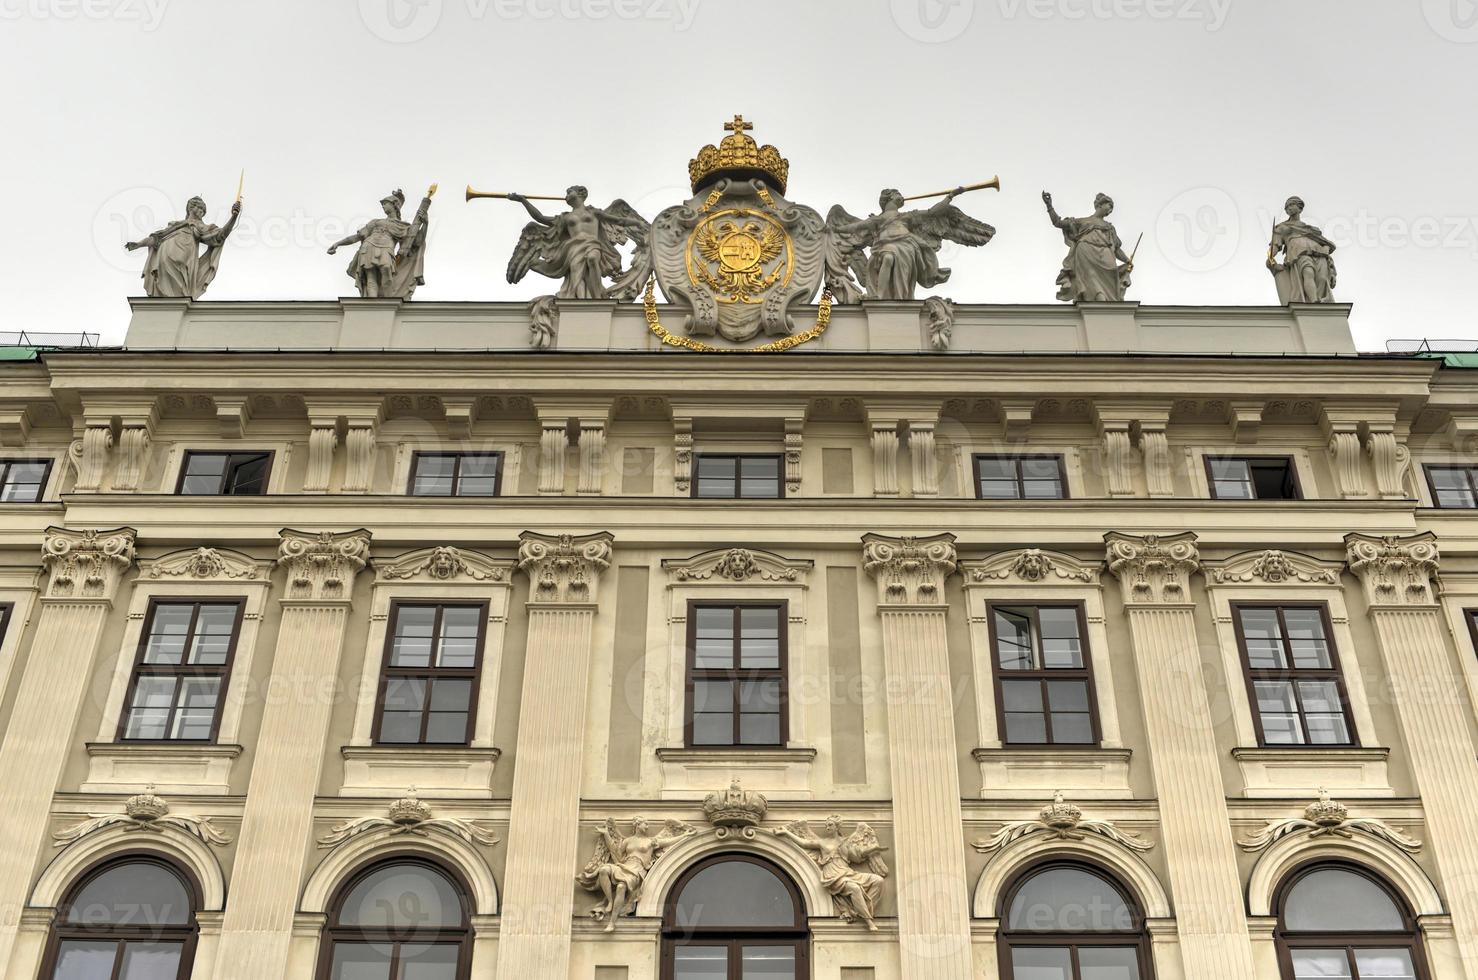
<point>1198,116</point>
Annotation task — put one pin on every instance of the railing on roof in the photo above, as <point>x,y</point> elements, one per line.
<point>1428,345</point>
<point>30,338</point>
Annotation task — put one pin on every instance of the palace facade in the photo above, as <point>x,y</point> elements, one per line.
<point>364,640</point>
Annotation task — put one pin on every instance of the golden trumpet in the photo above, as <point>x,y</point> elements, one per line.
<point>993,184</point>
<point>473,195</point>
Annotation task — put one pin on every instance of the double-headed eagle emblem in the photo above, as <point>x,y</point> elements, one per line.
<point>740,254</point>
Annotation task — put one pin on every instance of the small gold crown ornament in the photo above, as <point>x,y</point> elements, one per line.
<point>739,156</point>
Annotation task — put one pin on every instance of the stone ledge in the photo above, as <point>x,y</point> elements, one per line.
<point>779,773</point>
<point>171,768</point>
<point>447,772</point>
<point>1302,770</point>
<point>1090,773</point>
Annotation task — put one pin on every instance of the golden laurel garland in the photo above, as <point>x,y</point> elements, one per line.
<point>654,323</point>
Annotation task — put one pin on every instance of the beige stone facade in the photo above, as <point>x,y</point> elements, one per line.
<point>887,568</point>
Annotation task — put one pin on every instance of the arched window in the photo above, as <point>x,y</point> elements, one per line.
<point>1071,922</point>
<point>735,917</point>
<point>1341,921</point>
<point>399,920</point>
<point>130,919</point>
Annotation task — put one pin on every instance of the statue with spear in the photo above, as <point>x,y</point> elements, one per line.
<point>176,267</point>
<point>1096,270</point>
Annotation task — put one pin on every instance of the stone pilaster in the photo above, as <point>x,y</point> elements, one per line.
<point>86,569</point>
<point>544,820</point>
<point>554,442</point>
<point>1154,574</point>
<point>885,458</point>
<point>323,439</point>
<point>592,456</point>
<point>793,443</point>
<point>682,456</point>
<point>925,463</point>
<point>933,908</point>
<point>277,824</point>
<point>1399,575</point>
<point>1155,445</point>
<point>359,448</point>
<point>90,453</point>
<point>1118,458</point>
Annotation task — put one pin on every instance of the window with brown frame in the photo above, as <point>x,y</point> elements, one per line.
<point>6,609</point>
<point>736,674</point>
<point>738,476</point>
<point>23,481</point>
<point>1293,675</point>
<point>181,670</point>
<point>1453,487</point>
<point>1069,921</point>
<point>428,687</point>
<point>456,475</point>
<point>1470,614</point>
<point>1339,920</point>
<point>1252,478</point>
<point>403,919</point>
<point>1044,682</point>
<point>735,916</point>
<point>132,918</point>
<point>212,474</point>
<point>1019,478</point>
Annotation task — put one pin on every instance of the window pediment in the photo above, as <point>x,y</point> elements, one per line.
<point>1272,567</point>
<point>738,565</point>
<point>444,564</point>
<point>207,565</point>
<point>1031,566</point>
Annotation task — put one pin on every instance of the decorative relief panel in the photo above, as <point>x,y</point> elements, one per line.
<point>1031,567</point>
<point>738,565</point>
<point>322,565</point>
<point>1154,569</point>
<point>1272,568</point>
<point>206,565</point>
<point>1395,571</point>
<point>86,564</point>
<point>146,813</point>
<point>1061,820</point>
<point>564,568</point>
<point>1327,818</point>
<point>409,816</point>
<point>909,571</point>
<point>444,564</point>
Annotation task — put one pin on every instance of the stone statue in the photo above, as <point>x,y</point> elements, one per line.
<point>579,247</point>
<point>391,260</point>
<point>903,246</point>
<point>1096,269</point>
<point>856,892</point>
<point>1307,273</point>
<point>620,865</point>
<point>176,267</point>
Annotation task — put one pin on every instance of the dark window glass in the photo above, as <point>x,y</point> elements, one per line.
<point>1065,922</point>
<point>1252,478</point>
<point>738,476</point>
<point>180,674</point>
<point>456,474</point>
<point>1019,478</point>
<point>1338,921</point>
<point>1043,678</point>
<point>400,921</point>
<point>23,481</point>
<point>1454,486</point>
<point>734,917</point>
<point>428,689</point>
<point>225,474</point>
<point>1297,691</point>
<point>131,920</point>
<point>736,677</point>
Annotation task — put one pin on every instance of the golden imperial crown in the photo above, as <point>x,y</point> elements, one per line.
<point>741,157</point>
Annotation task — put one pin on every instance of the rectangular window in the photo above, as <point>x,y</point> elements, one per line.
<point>428,687</point>
<point>1044,685</point>
<point>225,474</point>
<point>1019,478</point>
<point>733,476</point>
<point>23,481</point>
<point>1252,478</point>
<point>180,675</point>
<point>456,474</point>
<point>1454,486</point>
<point>1293,676</point>
<point>736,674</point>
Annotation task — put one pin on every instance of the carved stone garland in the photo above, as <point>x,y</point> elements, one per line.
<point>444,564</point>
<point>1327,818</point>
<point>145,813</point>
<point>409,816</point>
<point>1062,821</point>
<point>738,565</point>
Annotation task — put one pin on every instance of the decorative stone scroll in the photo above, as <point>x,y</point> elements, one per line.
<point>147,813</point>
<point>408,815</point>
<point>564,568</point>
<point>1272,568</point>
<point>1032,566</point>
<point>205,564</point>
<point>1395,571</point>
<point>444,564</point>
<point>938,316</point>
<point>735,811</point>
<point>1062,821</point>
<point>1154,569</point>
<point>322,565</point>
<point>1327,818</point>
<point>738,565</point>
<point>86,564</point>
<point>909,571</point>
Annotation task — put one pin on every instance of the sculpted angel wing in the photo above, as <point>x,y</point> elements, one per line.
<point>628,225</point>
<point>533,243</point>
<point>846,265</point>
<point>950,223</point>
<point>864,845</point>
<point>673,831</point>
<point>587,878</point>
<point>800,832</point>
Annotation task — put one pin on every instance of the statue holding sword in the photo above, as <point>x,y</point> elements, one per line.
<point>1096,270</point>
<point>391,260</point>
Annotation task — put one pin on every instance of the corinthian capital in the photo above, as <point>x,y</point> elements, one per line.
<point>321,565</point>
<point>909,571</point>
<point>1153,569</point>
<point>1395,571</point>
<point>86,564</point>
<point>563,568</point>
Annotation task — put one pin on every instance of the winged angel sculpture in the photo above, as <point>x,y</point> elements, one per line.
<point>856,892</point>
<point>580,248</point>
<point>621,863</point>
<point>894,252</point>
